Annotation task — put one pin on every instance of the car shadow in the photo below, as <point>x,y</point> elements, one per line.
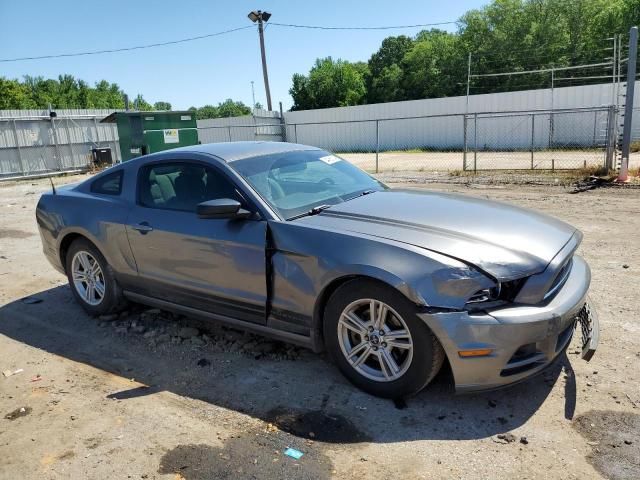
<point>306,397</point>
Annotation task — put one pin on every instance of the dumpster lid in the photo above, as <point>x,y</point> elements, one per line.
<point>111,118</point>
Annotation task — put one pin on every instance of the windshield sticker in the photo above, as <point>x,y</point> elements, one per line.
<point>330,159</point>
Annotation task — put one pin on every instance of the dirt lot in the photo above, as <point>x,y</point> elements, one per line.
<point>430,161</point>
<point>145,396</point>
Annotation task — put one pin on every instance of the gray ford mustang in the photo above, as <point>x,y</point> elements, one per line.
<point>293,242</point>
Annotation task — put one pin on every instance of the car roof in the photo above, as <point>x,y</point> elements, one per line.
<point>232,151</point>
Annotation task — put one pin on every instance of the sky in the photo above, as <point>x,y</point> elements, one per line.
<point>205,71</point>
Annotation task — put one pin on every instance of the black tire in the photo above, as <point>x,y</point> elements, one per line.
<point>427,353</point>
<point>112,301</point>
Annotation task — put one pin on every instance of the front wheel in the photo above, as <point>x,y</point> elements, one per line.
<point>378,342</point>
<point>91,279</point>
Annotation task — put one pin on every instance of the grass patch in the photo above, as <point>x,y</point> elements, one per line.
<point>593,171</point>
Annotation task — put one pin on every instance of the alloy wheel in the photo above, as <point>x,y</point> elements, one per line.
<point>88,279</point>
<point>375,340</point>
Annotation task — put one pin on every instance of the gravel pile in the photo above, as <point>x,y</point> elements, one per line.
<point>157,328</point>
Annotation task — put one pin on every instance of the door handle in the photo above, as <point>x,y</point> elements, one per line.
<point>143,227</point>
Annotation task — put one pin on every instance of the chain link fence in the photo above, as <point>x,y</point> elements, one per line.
<point>559,139</point>
<point>519,140</point>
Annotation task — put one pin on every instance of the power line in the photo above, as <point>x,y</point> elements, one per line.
<point>126,49</point>
<point>541,70</point>
<point>209,35</point>
<point>320,27</point>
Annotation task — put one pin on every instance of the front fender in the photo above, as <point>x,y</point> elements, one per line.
<point>305,262</point>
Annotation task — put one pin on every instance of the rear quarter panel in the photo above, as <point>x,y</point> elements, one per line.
<point>100,218</point>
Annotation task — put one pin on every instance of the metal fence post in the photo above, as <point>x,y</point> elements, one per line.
<point>533,136</point>
<point>95,123</point>
<point>229,131</point>
<point>295,131</point>
<point>475,143</point>
<point>465,146</point>
<point>610,137</point>
<point>15,136</point>
<point>283,129</point>
<point>377,143</point>
<point>66,129</point>
<point>595,124</point>
<point>56,143</point>
<point>628,104</point>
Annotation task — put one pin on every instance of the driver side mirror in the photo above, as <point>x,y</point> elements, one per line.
<point>222,208</point>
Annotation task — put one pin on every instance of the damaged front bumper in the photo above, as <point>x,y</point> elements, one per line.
<point>523,339</point>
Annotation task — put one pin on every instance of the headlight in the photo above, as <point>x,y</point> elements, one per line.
<point>503,292</point>
<point>485,295</point>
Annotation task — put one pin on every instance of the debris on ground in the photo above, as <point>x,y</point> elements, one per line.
<point>271,428</point>
<point>158,327</point>
<point>506,438</point>
<point>293,453</point>
<point>591,183</point>
<point>8,373</point>
<point>203,362</point>
<point>524,441</point>
<point>17,413</point>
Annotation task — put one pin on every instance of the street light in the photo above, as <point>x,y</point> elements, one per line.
<point>258,16</point>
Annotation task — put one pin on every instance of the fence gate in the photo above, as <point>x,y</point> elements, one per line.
<point>33,143</point>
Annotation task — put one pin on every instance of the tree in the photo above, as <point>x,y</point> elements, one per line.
<point>229,108</point>
<point>14,95</point>
<point>433,67</point>
<point>208,111</point>
<point>166,106</point>
<point>329,84</point>
<point>141,104</point>
<point>383,81</point>
<point>302,98</point>
<point>503,36</point>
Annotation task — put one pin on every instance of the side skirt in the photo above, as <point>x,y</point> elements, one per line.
<point>301,340</point>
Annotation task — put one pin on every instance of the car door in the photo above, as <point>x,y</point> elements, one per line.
<point>216,265</point>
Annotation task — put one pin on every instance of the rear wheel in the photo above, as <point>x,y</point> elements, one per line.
<point>375,337</point>
<point>91,279</point>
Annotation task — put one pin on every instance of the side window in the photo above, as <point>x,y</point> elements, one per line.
<point>109,184</point>
<point>182,186</point>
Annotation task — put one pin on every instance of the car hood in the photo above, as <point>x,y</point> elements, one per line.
<point>505,241</point>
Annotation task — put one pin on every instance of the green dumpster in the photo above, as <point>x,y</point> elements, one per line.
<point>141,133</point>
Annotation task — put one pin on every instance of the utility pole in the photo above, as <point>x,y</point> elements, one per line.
<point>253,97</point>
<point>259,17</point>
<point>628,107</point>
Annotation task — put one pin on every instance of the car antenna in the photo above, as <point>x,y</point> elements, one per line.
<point>53,187</point>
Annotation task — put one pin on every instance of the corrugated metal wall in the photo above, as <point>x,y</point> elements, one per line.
<point>442,121</point>
<point>262,125</point>
<point>32,143</point>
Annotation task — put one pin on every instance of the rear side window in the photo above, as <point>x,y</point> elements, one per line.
<point>109,184</point>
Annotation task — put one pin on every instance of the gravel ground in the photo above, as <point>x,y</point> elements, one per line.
<point>148,394</point>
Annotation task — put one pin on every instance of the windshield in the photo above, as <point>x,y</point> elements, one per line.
<point>295,182</point>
